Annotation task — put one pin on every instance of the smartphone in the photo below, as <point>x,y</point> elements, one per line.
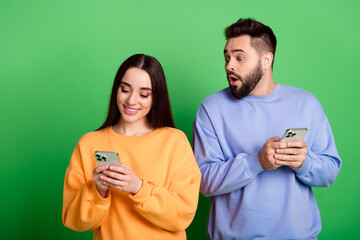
<point>107,158</point>
<point>294,134</point>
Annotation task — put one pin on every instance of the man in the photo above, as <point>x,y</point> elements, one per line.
<point>260,187</point>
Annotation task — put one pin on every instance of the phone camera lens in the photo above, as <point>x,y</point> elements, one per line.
<point>291,134</point>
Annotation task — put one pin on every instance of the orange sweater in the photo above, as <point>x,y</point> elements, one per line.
<point>164,206</point>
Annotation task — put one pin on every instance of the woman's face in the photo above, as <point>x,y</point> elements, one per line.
<point>134,96</point>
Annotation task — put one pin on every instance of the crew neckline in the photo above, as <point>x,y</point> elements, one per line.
<point>132,138</point>
<point>265,98</point>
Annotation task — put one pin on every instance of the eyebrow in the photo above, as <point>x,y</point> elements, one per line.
<point>128,84</point>
<point>234,50</point>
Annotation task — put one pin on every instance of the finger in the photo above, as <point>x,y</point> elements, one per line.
<point>297,144</point>
<point>273,139</point>
<point>123,170</point>
<point>292,151</point>
<point>104,184</point>
<point>293,165</point>
<point>116,176</point>
<point>127,170</point>
<point>98,179</point>
<point>101,168</point>
<point>277,145</point>
<point>125,166</point>
<point>122,187</point>
<point>112,181</point>
<point>291,158</point>
<point>115,168</point>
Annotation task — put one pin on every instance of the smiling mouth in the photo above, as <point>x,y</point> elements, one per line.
<point>131,111</point>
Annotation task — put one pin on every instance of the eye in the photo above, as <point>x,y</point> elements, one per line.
<point>240,58</point>
<point>124,90</point>
<point>144,96</point>
<point>227,59</point>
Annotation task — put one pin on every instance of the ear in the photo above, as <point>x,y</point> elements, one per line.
<point>267,60</point>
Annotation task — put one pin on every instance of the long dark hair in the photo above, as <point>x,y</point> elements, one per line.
<point>160,114</point>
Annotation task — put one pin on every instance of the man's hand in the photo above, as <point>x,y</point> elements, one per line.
<point>267,153</point>
<point>275,154</point>
<point>292,155</point>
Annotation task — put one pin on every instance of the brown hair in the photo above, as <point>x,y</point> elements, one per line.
<point>262,37</point>
<point>160,114</point>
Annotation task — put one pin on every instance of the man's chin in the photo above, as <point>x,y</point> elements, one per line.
<point>237,92</point>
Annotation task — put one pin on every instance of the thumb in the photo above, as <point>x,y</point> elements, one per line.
<point>125,166</point>
<point>274,139</point>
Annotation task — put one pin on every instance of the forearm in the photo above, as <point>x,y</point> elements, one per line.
<point>83,208</point>
<point>223,177</point>
<point>319,170</point>
<point>220,175</point>
<point>172,209</point>
<point>322,163</point>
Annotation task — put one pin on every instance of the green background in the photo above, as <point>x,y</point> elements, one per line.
<point>58,60</point>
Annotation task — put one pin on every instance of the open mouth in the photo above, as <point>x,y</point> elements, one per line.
<point>232,79</point>
<point>131,111</point>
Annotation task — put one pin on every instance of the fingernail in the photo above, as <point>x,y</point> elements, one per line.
<point>289,144</point>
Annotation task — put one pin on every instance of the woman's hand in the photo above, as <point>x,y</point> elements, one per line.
<point>101,185</point>
<point>122,178</point>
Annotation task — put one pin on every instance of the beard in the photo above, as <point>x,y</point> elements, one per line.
<point>249,82</point>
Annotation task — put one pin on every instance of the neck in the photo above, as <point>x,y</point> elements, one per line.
<point>265,86</point>
<point>133,128</point>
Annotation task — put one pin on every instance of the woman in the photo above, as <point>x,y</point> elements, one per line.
<point>154,193</point>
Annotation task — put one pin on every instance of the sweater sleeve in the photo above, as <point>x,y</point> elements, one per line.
<point>173,207</point>
<point>83,208</point>
<point>220,175</point>
<point>322,163</point>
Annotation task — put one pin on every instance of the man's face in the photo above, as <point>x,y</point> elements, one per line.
<point>242,65</point>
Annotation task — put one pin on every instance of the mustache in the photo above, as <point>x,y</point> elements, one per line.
<point>236,75</point>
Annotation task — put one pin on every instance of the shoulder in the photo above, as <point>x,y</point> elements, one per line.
<point>94,136</point>
<point>299,94</point>
<point>212,105</point>
<point>218,97</point>
<point>215,102</point>
<point>169,132</point>
<point>172,137</point>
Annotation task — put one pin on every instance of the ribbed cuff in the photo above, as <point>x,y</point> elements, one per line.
<point>97,197</point>
<point>144,192</point>
<point>306,166</point>
<point>254,164</point>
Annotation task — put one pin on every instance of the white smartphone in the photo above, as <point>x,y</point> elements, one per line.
<point>294,134</point>
<point>107,158</point>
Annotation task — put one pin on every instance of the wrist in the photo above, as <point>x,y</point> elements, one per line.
<point>103,194</point>
<point>139,185</point>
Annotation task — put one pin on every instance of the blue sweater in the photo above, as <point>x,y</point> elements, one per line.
<point>246,201</point>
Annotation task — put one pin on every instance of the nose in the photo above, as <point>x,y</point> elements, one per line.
<point>132,99</point>
<point>229,66</point>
